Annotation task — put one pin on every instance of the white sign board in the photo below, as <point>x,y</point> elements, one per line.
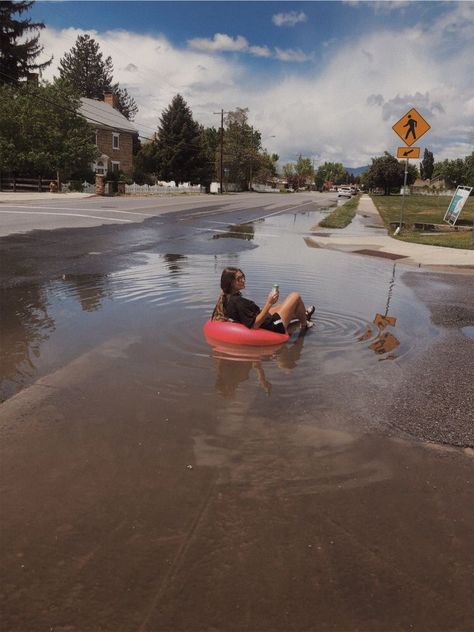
<point>456,204</point>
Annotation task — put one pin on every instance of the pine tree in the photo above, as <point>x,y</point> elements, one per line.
<point>86,70</point>
<point>126,104</point>
<point>179,143</point>
<point>427,165</point>
<point>17,59</point>
<point>91,75</point>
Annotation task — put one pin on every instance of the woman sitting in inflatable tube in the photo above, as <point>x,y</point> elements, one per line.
<point>272,318</point>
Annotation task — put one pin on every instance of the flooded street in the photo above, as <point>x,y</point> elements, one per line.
<point>151,481</point>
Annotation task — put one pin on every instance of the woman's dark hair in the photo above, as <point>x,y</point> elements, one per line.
<point>227,279</point>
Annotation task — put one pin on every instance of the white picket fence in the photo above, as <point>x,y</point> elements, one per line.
<point>87,187</point>
<point>169,187</point>
<point>263,188</point>
<point>164,187</point>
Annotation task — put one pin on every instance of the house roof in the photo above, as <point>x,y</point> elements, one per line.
<point>104,115</point>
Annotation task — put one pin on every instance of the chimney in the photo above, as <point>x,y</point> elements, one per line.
<point>111,99</point>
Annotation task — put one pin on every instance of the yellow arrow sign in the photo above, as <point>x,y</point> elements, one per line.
<point>411,127</point>
<point>408,152</point>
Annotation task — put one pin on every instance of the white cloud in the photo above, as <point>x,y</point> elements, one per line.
<point>219,43</point>
<point>289,19</point>
<point>260,51</point>
<point>291,54</point>
<point>380,6</point>
<point>339,110</point>
<point>222,43</point>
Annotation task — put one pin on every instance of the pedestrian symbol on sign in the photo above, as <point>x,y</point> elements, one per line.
<point>411,127</point>
<point>411,124</point>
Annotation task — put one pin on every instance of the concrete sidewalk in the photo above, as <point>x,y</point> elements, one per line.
<point>380,244</point>
<point>10,196</point>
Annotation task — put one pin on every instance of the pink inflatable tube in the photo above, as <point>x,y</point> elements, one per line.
<point>237,334</point>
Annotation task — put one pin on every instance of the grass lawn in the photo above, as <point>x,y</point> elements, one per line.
<point>343,215</point>
<point>427,209</point>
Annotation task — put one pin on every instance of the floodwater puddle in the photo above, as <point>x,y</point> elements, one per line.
<point>238,231</point>
<point>468,331</point>
<point>364,314</point>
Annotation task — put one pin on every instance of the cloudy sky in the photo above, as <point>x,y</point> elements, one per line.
<point>324,79</point>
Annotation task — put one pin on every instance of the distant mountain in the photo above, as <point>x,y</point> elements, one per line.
<point>356,171</point>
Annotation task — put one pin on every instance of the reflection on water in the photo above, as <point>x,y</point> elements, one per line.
<point>385,342</point>
<point>167,299</point>
<point>230,373</point>
<point>234,364</point>
<point>89,289</point>
<point>24,324</point>
<point>237,231</point>
<point>175,263</point>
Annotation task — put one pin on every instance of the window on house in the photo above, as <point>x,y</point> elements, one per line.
<point>115,140</point>
<point>115,167</point>
<point>97,137</point>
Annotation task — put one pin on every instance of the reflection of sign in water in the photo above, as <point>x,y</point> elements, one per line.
<point>408,152</point>
<point>385,342</point>
<point>411,127</point>
<point>457,202</point>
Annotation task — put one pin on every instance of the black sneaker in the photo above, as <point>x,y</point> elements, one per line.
<point>310,312</point>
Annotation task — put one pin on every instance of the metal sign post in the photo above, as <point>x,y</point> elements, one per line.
<point>403,199</point>
<point>411,127</point>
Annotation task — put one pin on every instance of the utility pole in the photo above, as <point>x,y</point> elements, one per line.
<point>222,151</point>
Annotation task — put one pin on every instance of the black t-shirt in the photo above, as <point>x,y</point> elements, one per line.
<point>244,311</point>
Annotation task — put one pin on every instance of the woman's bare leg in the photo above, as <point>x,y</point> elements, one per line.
<point>291,308</point>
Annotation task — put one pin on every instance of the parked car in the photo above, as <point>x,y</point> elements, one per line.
<point>345,192</point>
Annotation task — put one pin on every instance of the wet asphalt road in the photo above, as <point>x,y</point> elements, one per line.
<point>166,225</point>
<point>120,514</point>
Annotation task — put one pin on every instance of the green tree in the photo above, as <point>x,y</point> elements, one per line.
<point>242,146</point>
<point>91,75</point>
<point>145,163</point>
<point>126,104</point>
<point>42,133</point>
<point>387,173</point>
<point>207,162</point>
<point>179,146</point>
<point>266,168</point>
<point>304,172</point>
<point>18,53</point>
<point>469,170</point>
<point>333,172</point>
<point>455,172</point>
<point>288,170</point>
<point>427,165</point>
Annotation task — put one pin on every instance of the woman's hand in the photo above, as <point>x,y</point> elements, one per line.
<point>273,297</point>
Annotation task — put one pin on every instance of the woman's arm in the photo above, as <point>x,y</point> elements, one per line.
<point>272,298</point>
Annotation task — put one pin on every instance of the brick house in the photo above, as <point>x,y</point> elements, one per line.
<point>113,135</point>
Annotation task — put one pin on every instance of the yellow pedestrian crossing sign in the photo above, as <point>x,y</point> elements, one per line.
<point>408,152</point>
<point>411,127</point>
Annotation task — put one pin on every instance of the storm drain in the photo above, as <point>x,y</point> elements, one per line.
<point>378,253</point>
